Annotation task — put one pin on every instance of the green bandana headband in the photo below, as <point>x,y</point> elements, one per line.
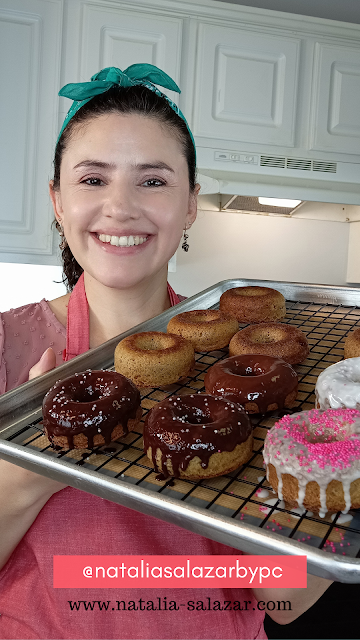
<point>146,75</point>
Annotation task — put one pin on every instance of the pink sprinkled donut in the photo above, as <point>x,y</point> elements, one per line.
<point>313,459</point>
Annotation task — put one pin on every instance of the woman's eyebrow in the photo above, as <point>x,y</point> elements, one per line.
<point>110,165</point>
<point>95,163</point>
<point>154,165</point>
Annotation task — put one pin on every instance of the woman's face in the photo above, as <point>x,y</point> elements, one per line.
<point>124,197</point>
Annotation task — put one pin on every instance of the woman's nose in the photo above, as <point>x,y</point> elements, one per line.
<point>121,203</point>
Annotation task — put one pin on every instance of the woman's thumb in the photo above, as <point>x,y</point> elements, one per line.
<point>46,363</point>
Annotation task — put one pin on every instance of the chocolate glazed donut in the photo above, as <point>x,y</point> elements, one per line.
<point>258,383</point>
<point>197,436</point>
<point>90,408</point>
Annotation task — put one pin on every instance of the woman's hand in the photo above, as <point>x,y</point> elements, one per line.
<point>46,363</point>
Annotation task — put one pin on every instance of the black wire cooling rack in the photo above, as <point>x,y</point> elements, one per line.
<point>243,497</point>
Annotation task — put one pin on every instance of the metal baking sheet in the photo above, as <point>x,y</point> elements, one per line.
<point>233,509</point>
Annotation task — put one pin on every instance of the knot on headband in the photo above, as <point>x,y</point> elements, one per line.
<point>146,75</point>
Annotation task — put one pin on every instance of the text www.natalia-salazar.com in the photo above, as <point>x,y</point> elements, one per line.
<point>165,604</point>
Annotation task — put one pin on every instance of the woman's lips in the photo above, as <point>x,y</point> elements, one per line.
<point>122,241</point>
<point>123,244</point>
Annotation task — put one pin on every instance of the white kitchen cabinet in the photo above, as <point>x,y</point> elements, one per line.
<point>336,99</point>
<point>120,35</point>
<point>246,85</point>
<point>30,43</point>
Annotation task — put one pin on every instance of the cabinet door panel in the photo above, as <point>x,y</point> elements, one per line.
<point>30,34</point>
<point>246,86</point>
<point>118,37</point>
<point>336,99</point>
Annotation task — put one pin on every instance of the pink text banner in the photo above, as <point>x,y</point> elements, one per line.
<point>179,571</point>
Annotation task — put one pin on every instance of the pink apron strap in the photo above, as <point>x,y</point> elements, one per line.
<point>174,298</point>
<point>77,328</point>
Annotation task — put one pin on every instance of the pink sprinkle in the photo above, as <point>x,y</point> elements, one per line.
<point>336,454</point>
<point>344,554</point>
<point>273,529</point>
<point>341,544</point>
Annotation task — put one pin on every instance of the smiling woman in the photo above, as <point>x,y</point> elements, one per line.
<point>123,192</point>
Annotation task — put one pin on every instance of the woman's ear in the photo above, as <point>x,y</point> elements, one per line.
<point>192,212</point>
<point>56,201</point>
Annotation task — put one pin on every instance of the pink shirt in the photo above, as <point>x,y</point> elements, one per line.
<point>73,523</point>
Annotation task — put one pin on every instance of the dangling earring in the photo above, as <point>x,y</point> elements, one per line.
<point>185,246</point>
<point>63,242</point>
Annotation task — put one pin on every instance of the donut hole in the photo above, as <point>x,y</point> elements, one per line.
<point>240,369</point>
<point>195,415</point>
<point>207,316</point>
<point>261,336</point>
<point>318,434</point>
<point>251,292</point>
<point>84,394</point>
<point>153,343</point>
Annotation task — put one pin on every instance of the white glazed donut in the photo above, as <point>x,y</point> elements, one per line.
<point>312,459</point>
<point>338,386</point>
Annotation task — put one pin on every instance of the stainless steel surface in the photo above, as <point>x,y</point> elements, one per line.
<point>182,504</point>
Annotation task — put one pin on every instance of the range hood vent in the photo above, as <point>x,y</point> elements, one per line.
<point>247,204</point>
<point>272,161</point>
<point>299,164</point>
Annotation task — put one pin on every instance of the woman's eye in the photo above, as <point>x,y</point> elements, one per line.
<point>153,182</point>
<point>92,181</point>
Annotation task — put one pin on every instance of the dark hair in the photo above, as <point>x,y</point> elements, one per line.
<point>125,100</point>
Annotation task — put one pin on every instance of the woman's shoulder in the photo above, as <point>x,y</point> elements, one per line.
<point>34,313</point>
<point>25,333</point>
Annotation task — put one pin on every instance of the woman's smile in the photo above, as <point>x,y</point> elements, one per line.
<point>121,244</point>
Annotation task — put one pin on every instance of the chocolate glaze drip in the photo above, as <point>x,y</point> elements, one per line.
<point>263,380</point>
<point>90,402</point>
<point>195,425</point>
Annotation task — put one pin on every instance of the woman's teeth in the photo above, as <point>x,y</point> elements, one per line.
<point>122,241</point>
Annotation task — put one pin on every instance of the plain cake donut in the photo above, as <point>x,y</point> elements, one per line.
<point>257,383</point>
<point>313,459</point>
<point>154,359</point>
<point>338,386</point>
<point>197,436</point>
<point>206,329</point>
<point>272,339</point>
<point>352,345</point>
<point>90,408</point>
<point>253,304</point>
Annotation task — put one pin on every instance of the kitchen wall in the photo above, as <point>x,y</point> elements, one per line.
<point>231,245</point>
<point>24,283</point>
<point>222,245</point>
